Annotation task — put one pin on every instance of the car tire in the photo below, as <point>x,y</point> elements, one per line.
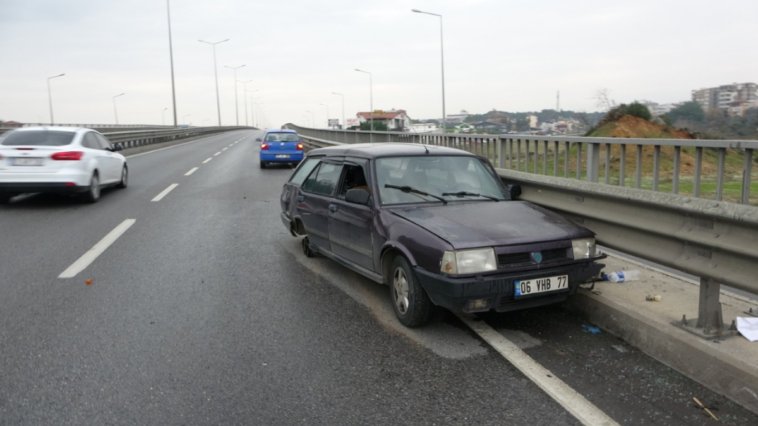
<point>124,178</point>
<point>93,192</point>
<point>409,300</point>
<point>307,248</point>
<point>263,164</point>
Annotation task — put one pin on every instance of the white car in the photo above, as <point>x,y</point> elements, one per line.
<point>59,159</point>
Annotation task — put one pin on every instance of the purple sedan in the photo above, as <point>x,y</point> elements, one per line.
<point>437,226</point>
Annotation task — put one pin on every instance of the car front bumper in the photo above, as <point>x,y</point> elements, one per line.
<point>455,293</point>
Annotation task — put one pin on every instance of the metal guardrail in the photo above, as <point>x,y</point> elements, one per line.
<point>714,240</point>
<point>135,138</point>
<point>523,153</point>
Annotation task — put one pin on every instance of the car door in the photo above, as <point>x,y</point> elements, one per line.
<point>289,196</point>
<point>314,198</point>
<point>94,149</point>
<point>113,160</point>
<point>351,226</point>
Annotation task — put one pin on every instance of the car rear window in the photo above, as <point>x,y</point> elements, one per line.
<point>282,137</point>
<point>38,138</point>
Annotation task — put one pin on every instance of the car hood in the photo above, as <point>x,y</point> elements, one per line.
<point>483,224</point>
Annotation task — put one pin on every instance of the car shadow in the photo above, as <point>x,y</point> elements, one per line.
<point>43,201</point>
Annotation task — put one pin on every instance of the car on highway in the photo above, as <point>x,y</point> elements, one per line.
<point>281,146</point>
<point>436,225</point>
<point>59,159</point>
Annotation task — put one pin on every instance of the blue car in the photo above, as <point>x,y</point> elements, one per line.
<point>281,146</point>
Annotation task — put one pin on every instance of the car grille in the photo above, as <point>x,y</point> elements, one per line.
<point>514,259</point>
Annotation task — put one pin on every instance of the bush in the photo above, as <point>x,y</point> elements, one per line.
<point>667,121</point>
<point>378,126</point>
<point>638,110</point>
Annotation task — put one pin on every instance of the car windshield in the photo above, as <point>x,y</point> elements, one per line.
<point>282,137</point>
<point>38,138</point>
<point>403,180</point>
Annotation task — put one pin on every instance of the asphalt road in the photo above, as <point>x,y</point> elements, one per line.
<point>205,311</point>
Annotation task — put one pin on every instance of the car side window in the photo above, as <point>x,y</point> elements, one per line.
<point>323,181</point>
<point>299,177</point>
<point>354,178</point>
<point>104,143</point>
<point>90,141</point>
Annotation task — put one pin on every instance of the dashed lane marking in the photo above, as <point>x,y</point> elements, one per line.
<point>217,153</point>
<point>87,258</point>
<point>207,160</point>
<point>165,192</point>
<point>571,400</point>
<point>194,169</point>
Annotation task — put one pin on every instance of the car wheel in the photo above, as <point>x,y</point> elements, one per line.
<point>307,248</point>
<point>409,300</point>
<point>93,193</point>
<point>263,164</point>
<point>124,178</point>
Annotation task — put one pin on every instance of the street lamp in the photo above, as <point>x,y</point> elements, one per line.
<point>244,86</point>
<point>50,96</point>
<point>442,56</point>
<point>327,114</point>
<point>171,56</point>
<point>371,92</point>
<point>184,119</point>
<point>215,70</point>
<point>313,119</point>
<point>344,123</point>
<point>236,103</point>
<point>115,112</point>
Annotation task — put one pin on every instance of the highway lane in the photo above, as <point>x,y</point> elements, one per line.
<point>206,312</point>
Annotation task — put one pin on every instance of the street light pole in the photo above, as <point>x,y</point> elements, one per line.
<point>215,71</point>
<point>344,123</point>
<point>50,96</point>
<point>371,92</point>
<point>171,56</point>
<point>115,112</point>
<point>236,102</point>
<point>442,56</point>
<point>244,88</point>
<point>327,115</point>
<point>163,117</point>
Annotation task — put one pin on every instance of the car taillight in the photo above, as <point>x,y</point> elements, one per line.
<point>299,147</point>
<point>67,156</point>
<point>264,145</point>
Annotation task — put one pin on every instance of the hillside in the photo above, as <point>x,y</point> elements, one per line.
<point>634,127</point>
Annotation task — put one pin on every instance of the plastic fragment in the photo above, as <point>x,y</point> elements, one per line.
<point>591,329</point>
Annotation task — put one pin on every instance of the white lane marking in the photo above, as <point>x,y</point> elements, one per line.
<point>225,149</point>
<point>217,153</point>
<point>194,169</point>
<point>207,160</point>
<point>562,393</point>
<point>165,192</point>
<point>87,258</point>
<point>173,146</point>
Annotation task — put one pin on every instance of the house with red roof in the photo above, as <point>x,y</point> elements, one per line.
<point>397,120</point>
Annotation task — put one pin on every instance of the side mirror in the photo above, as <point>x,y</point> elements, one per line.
<point>110,149</point>
<point>515,190</point>
<point>357,196</point>
<point>117,148</point>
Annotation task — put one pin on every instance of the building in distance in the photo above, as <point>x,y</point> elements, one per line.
<point>397,120</point>
<point>734,98</point>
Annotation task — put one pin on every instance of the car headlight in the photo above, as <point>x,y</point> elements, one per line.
<point>468,261</point>
<point>584,248</point>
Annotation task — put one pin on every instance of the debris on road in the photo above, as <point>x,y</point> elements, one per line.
<point>655,298</point>
<point>591,329</point>
<point>706,409</point>
<point>89,282</point>
<point>597,292</point>
<point>620,348</point>
<point>748,327</point>
<point>622,276</point>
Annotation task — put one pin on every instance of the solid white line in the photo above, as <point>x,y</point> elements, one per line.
<point>562,393</point>
<point>87,258</point>
<point>194,169</point>
<point>207,160</point>
<point>165,192</point>
<point>217,153</point>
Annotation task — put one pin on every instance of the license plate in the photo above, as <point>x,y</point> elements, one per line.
<point>282,156</point>
<point>541,285</point>
<point>26,161</point>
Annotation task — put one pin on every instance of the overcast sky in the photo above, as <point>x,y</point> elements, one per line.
<point>503,54</point>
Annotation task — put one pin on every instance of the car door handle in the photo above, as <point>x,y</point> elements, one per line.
<point>300,198</point>
<point>332,208</point>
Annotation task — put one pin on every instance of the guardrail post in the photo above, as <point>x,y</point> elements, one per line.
<point>747,172</point>
<point>709,317</point>
<point>593,162</point>
<point>499,147</point>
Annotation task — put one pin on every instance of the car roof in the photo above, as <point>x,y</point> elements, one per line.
<point>388,149</point>
<point>280,131</point>
<point>51,128</point>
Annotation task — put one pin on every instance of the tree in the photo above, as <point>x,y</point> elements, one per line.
<point>603,99</point>
<point>636,109</point>
<point>690,112</point>
<point>522,125</point>
<point>378,126</point>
